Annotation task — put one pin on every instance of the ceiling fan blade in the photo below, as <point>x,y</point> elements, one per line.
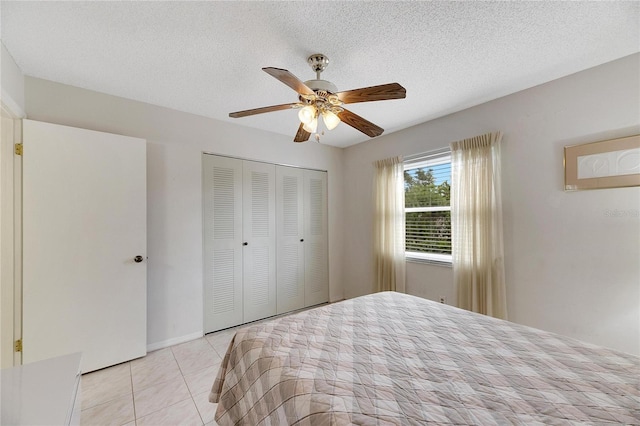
<point>359,123</point>
<point>262,110</point>
<point>302,135</point>
<point>373,93</point>
<point>289,79</point>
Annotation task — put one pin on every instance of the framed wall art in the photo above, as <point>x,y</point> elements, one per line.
<point>612,163</point>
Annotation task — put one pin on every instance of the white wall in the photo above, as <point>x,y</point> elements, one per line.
<point>176,141</point>
<point>572,267</point>
<point>12,83</point>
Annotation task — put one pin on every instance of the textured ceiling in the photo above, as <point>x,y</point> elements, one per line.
<point>206,57</point>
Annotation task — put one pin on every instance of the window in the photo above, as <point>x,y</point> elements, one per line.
<point>427,189</point>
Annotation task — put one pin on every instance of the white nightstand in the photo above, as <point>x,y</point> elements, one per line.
<point>42,393</point>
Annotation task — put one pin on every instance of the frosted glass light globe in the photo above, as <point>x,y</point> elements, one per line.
<point>311,126</point>
<point>307,114</point>
<point>330,120</point>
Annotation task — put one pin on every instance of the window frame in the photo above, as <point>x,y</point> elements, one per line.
<point>424,161</point>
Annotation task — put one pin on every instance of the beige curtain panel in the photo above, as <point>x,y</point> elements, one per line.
<point>476,225</point>
<point>389,225</point>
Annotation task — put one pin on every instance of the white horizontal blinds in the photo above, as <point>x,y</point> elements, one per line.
<point>259,230</point>
<point>315,230</point>
<point>290,241</point>
<point>222,196</point>
<point>427,183</point>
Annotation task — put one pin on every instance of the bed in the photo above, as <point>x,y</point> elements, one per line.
<point>391,359</point>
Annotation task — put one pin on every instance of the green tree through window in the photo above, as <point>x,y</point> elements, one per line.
<point>428,209</point>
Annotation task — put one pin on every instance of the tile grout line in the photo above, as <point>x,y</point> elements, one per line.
<point>197,409</point>
<point>210,346</point>
<point>192,396</point>
<point>107,401</point>
<point>193,401</point>
<point>133,395</point>
<point>168,406</point>
<point>178,363</point>
<point>148,386</point>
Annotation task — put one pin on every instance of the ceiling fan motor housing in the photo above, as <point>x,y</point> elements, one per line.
<point>321,85</point>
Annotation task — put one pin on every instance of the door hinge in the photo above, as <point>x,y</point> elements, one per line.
<point>18,345</point>
<point>18,149</point>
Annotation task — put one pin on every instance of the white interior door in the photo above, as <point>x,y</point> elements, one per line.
<point>290,241</point>
<point>84,222</point>
<point>259,240</point>
<point>316,281</point>
<point>7,234</point>
<point>222,196</point>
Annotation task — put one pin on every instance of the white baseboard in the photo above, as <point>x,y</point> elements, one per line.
<point>176,340</point>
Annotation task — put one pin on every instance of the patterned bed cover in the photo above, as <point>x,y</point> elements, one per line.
<point>390,359</point>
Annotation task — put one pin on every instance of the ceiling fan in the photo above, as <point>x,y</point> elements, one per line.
<point>321,98</point>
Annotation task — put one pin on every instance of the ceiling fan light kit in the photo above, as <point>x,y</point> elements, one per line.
<point>311,126</point>
<point>306,114</point>
<point>321,98</point>
<point>331,120</point>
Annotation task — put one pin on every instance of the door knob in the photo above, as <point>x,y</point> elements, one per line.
<point>301,239</point>
<point>137,259</point>
<point>245,244</point>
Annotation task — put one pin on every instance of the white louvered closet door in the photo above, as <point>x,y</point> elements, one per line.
<point>316,280</point>
<point>222,188</point>
<point>259,240</point>
<point>290,241</point>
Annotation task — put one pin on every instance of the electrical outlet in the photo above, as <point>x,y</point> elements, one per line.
<point>443,299</point>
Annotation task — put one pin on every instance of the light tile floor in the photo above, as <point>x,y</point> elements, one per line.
<point>167,387</point>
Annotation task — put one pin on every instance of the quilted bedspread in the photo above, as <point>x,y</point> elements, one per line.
<point>393,359</point>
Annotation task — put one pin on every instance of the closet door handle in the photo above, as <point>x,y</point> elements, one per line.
<point>301,239</point>
<point>245,243</point>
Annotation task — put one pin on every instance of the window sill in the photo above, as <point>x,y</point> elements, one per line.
<point>439,260</point>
